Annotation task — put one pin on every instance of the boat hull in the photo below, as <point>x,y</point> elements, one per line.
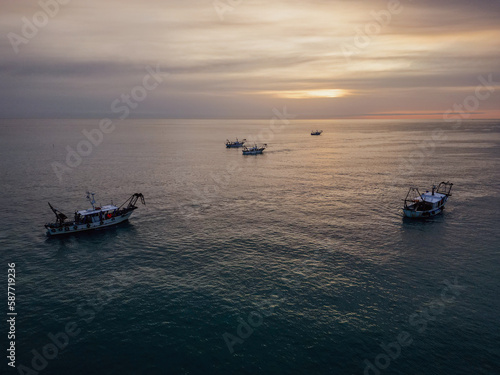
<point>422,214</point>
<point>72,228</point>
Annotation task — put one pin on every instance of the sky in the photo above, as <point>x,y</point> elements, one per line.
<point>244,58</point>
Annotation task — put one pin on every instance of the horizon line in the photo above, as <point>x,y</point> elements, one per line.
<point>366,117</point>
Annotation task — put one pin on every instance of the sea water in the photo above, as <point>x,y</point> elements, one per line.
<point>297,261</point>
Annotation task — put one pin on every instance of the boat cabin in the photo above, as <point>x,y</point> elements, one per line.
<point>95,215</point>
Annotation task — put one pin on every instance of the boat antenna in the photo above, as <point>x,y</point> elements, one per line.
<point>92,201</point>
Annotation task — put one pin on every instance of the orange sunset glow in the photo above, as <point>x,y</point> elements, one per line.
<point>324,59</point>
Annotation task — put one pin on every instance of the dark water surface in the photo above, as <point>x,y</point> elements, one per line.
<point>297,261</point>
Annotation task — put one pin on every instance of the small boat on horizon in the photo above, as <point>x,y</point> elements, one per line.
<point>428,204</point>
<point>255,150</point>
<point>317,132</point>
<point>235,144</point>
<point>93,218</point>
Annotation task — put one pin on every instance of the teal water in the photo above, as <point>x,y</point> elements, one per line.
<point>297,261</point>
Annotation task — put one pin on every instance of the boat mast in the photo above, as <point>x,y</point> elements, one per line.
<point>92,201</point>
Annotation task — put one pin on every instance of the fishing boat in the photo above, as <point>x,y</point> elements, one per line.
<point>317,132</point>
<point>235,144</point>
<point>255,150</point>
<point>93,218</point>
<point>427,204</point>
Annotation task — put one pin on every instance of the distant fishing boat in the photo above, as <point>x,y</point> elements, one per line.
<point>317,132</point>
<point>93,218</point>
<point>428,204</point>
<point>255,150</point>
<point>235,144</point>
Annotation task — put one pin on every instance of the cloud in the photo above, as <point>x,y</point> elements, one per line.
<point>90,52</point>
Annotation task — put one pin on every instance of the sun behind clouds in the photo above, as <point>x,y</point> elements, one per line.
<point>309,94</point>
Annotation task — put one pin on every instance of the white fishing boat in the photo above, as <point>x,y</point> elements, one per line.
<point>317,132</point>
<point>255,150</point>
<point>427,204</point>
<point>93,218</point>
<point>235,144</point>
